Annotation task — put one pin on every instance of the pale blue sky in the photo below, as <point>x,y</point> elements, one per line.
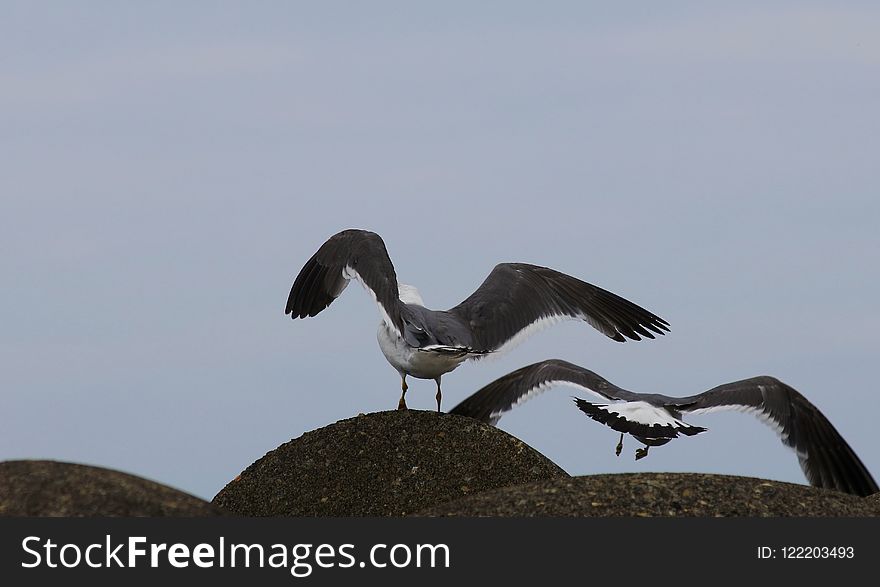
<point>169,167</point>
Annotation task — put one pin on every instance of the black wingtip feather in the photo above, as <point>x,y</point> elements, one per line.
<point>295,299</point>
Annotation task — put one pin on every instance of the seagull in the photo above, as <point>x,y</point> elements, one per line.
<point>515,300</point>
<point>653,419</point>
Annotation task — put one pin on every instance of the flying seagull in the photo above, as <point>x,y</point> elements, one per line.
<point>515,300</point>
<point>653,419</point>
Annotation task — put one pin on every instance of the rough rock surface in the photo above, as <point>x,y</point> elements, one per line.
<point>53,489</point>
<point>383,464</point>
<point>659,494</point>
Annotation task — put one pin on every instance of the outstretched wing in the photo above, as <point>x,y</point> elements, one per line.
<point>825,457</point>
<point>350,254</point>
<point>505,393</point>
<point>517,298</point>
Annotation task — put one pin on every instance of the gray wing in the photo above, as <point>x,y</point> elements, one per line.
<point>825,457</point>
<point>516,296</point>
<point>502,395</point>
<point>350,254</point>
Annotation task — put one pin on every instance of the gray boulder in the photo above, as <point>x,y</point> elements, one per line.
<point>383,464</point>
<point>58,489</point>
<point>658,494</point>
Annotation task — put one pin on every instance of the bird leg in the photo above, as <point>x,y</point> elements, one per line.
<point>619,446</point>
<point>642,452</point>
<point>401,405</point>
<point>439,395</point>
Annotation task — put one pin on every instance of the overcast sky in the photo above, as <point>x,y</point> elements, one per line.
<point>168,167</point>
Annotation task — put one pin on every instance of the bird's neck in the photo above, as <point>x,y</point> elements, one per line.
<point>408,294</point>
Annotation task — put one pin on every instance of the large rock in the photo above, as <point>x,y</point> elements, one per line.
<point>51,488</point>
<point>383,464</point>
<point>658,494</point>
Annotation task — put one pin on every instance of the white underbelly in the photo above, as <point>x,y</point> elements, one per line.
<point>406,359</point>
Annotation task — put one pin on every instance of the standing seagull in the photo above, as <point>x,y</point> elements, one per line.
<point>515,300</point>
<point>653,419</point>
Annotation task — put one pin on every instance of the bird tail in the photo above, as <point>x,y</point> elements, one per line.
<point>453,351</point>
